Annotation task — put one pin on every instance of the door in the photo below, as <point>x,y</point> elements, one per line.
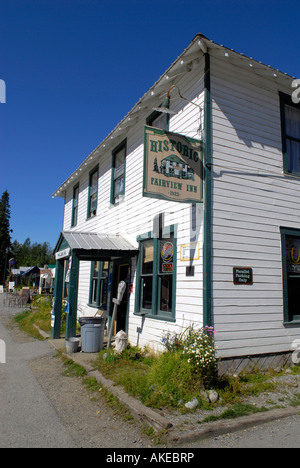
<point>122,273</point>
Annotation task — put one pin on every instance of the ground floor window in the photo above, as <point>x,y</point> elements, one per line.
<point>156,275</point>
<point>99,284</point>
<point>291,274</point>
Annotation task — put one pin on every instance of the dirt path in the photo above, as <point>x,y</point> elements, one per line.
<point>86,417</point>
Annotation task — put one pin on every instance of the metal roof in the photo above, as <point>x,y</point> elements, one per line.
<point>95,241</point>
<point>199,45</point>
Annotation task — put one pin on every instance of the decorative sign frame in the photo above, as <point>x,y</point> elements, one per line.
<point>173,168</point>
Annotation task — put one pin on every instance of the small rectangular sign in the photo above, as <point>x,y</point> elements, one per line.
<point>190,252</point>
<point>242,275</point>
<point>63,253</point>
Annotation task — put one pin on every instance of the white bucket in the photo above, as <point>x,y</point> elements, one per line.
<point>72,345</point>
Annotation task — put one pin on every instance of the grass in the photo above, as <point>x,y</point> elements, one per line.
<point>164,380</point>
<point>40,315</point>
<point>236,411</point>
<point>167,380</point>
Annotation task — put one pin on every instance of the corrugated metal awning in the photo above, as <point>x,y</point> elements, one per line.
<point>89,243</point>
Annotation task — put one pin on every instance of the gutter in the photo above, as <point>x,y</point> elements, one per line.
<point>207,156</point>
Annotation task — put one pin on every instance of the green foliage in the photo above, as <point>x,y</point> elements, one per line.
<point>197,346</point>
<point>5,231</point>
<point>236,411</point>
<point>39,315</point>
<point>170,379</point>
<point>29,254</point>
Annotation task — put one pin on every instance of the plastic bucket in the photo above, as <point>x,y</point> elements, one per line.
<point>72,345</point>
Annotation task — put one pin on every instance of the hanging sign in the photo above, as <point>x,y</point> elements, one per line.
<point>172,167</point>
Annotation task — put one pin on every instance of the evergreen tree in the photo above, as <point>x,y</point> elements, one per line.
<point>5,231</point>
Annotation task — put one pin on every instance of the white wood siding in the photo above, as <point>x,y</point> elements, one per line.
<point>134,216</point>
<point>251,200</point>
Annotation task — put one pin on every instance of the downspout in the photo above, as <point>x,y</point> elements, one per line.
<point>207,159</point>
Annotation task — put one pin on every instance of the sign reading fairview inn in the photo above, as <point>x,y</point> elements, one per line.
<point>172,167</point>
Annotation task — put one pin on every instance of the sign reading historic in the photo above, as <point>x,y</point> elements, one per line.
<point>173,167</point>
<point>242,276</point>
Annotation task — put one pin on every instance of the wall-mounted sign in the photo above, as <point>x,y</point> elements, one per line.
<point>189,252</point>
<point>63,254</point>
<point>242,275</point>
<point>172,167</point>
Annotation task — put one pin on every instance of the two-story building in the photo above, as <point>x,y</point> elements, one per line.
<point>193,201</point>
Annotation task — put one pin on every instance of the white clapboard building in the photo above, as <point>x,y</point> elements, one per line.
<point>192,200</point>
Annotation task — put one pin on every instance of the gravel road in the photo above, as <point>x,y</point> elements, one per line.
<point>41,408</point>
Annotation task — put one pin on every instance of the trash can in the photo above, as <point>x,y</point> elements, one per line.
<point>92,333</point>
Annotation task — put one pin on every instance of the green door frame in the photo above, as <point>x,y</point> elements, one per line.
<point>116,264</point>
<point>58,293</point>
<point>72,297</point>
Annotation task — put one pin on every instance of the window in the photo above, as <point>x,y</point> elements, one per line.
<point>156,276</point>
<point>93,194</point>
<point>290,124</point>
<point>75,206</point>
<point>291,274</point>
<point>118,173</point>
<point>99,284</point>
<point>158,120</point>
<point>147,260</point>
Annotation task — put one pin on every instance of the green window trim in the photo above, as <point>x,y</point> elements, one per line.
<point>162,117</point>
<point>99,285</point>
<point>118,174</point>
<point>75,201</point>
<point>156,277</point>
<point>93,193</point>
<point>285,233</point>
<point>286,100</point>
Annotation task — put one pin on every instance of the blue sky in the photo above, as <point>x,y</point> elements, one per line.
<point>74,68</point>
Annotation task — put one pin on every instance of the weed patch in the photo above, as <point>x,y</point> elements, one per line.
<point>236,411</point>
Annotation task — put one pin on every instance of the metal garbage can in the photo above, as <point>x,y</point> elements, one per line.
<point>92,333</point>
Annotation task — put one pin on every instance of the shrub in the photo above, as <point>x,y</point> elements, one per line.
<point>170,379</point>
<point>200,351</point>
<point>197,346</point>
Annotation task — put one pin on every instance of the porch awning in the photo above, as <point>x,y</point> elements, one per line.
<point>96,246</point>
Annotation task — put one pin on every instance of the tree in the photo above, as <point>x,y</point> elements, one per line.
<point>29,254</point>
<point>5,231</point>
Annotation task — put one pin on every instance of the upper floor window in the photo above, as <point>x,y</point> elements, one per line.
<point>93,193</point>
<point>118,173</point>
<point>158,120</point>
<point>290,124</point>
<point>75,206</point>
